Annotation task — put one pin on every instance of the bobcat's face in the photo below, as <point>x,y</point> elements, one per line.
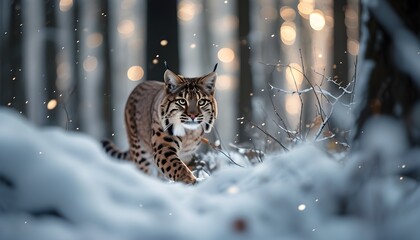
<point>189,103</point>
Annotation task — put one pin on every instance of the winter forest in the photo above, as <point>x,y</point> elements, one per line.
<point>317,135</point>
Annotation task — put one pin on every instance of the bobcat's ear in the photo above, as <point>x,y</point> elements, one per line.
<point>172,81</point>
<point>208,82</point>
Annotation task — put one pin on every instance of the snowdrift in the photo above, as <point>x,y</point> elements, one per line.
<point>60,185</point>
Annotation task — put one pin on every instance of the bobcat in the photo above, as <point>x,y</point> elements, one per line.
<point>165,123</point>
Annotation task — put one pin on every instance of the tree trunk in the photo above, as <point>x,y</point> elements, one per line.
<point>93,67</point>
<point>50,43</point>
<point>34,59</point>
<point>340,55</point>
<point>162,24</point>
<point>245,76</point>
<point>12,92</point>
<point>390,84</point>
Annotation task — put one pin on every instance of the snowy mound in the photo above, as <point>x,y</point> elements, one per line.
<point>60,185</point>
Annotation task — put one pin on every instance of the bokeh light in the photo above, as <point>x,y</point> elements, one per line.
<point>135,73</point>
<point>329,21</point>
<point>164,42</point>
<point>226,55</point>
<point>186,10</point>
<point>287,13</point>
<point>353,47</point>
<point>317,20</point>
<point>294,74</point>
<point>63,75</point>
<point>65,5</point>
<point>292,104</point>
<point>63,70</point>
<point>90,63</point>
<point>225,82</point>
<point>288,33</point>
<point>94,40</point>
<point>352,18</point>
<point>126,28</point>
<point>305,7</point>
<point>51,104</point>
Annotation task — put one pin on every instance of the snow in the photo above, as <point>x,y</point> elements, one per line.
<point>60,185</point>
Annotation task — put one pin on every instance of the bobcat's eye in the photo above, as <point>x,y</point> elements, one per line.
<point>182,101</point>
<point>201,102</point>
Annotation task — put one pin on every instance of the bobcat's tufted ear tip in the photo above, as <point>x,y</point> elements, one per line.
<point>215,67</point>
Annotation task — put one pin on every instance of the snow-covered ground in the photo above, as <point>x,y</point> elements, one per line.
<point>60,185</point>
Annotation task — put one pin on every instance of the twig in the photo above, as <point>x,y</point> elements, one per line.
<point>67,115</point>
<point>268,134</point>
<point>309,82</point>
<point>301,103</point>
<point>354,81</point>
<point>275,109</point>
<point>323,77</point>
<point>304,76</point>
<point>326,138</point>
<point>63,103</point>
<point>320,91</point>
<point>301,61</point>
<point>205,140</point>
<point>324,122</point>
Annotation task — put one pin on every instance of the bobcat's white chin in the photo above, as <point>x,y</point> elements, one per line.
<point>191,126</point>
<point>179,129</point>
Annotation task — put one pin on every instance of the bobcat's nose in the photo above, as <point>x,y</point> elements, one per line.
<point>192,116</point>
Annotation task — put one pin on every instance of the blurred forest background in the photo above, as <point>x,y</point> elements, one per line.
<point>72,63</point>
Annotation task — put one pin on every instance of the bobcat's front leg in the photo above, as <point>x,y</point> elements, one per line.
<point>166,158</point>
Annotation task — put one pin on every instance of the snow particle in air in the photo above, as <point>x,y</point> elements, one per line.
<point>301,207</point>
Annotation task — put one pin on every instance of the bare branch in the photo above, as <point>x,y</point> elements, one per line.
<point>324,122</point>
<point>275,109</point>
<point>354,81</point>
<point>301,103</point>
<point>227,155</point>
<point>325,138</point>
<point>268,134</point>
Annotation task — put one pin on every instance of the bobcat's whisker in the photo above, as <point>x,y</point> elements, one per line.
<point>167,127</point>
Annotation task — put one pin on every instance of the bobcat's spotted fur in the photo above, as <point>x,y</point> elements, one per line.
<point>165,123</point>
